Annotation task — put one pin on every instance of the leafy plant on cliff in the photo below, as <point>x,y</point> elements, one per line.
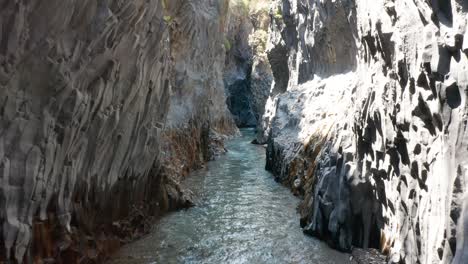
<point>168,19</point>
<point>227,44</point>
<point>278,14</point>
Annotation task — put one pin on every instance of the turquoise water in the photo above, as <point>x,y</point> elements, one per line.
<point>241,216</point>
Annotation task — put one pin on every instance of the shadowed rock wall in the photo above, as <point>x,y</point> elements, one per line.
<point>247,73</point>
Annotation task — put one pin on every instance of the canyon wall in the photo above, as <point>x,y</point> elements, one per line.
<point>247,73</point>
<point>366,121</point>
<point>105,105</point>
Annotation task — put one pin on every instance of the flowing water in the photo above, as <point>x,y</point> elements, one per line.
<point>241,216</point>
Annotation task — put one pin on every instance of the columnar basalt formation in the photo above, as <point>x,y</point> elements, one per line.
<point>247,73</point>
<point>367,122</point>
<point>90,93</point>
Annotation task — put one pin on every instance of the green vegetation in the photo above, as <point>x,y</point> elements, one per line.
<point>227,44</point>
<point>278,14</point>
<point>241,5</point>
<point>168,19</point>
<point>248,6</point>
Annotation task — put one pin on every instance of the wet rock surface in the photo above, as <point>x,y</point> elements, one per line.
<point>366,121</point>
<point>98,101</point>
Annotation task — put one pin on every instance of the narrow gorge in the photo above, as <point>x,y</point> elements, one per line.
<point>234,131</point>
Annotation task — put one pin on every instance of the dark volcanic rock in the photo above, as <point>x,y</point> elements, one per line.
<point>89,92</point>
<point>247,73</point>
<point>239,103</point>
<point>370,128</point>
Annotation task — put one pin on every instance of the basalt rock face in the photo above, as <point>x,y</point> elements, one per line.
<point>366,121</point>
<point>197,108</point>
<point>261,76</point>
<point>247,73</point>
<point>91,91</point>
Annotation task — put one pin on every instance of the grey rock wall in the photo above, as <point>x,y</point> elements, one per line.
<point>247,73</point>
<point>366,121</point>
<point>89,93</point>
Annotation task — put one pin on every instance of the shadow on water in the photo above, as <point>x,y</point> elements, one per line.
<point>241,216</point>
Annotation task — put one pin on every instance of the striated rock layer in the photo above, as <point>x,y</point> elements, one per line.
<point>367,120</point>
<point>90,92</point>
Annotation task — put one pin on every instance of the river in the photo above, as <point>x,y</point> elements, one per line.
<point>241,216</point>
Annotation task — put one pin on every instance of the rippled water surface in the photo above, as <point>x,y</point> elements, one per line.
<point>241,216</point>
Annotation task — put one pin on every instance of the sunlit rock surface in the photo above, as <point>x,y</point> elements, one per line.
<point>366,120</point>
<point>90,92</point>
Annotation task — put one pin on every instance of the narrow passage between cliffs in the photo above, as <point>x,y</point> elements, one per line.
<point>241,216</point>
